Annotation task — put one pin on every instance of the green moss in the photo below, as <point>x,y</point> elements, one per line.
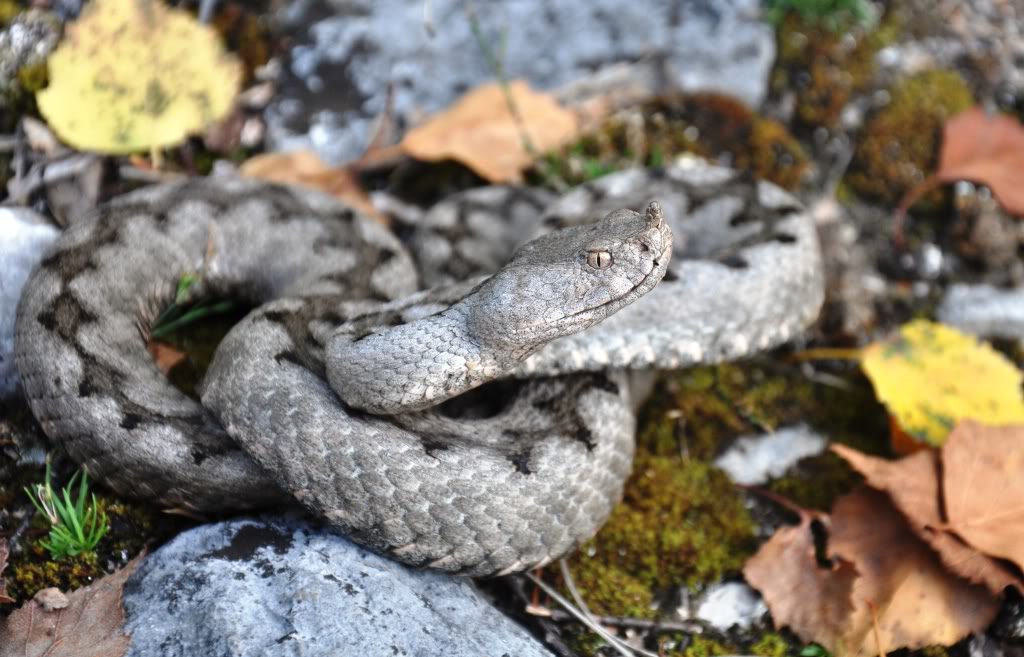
<point>681,522</point>
<point>37,572</point>
<point>900,143</point>
<point>770,644</point>
<point>696,413</point>
<point>822,68</point>
<point>701,646</point>
<point>710,125</point>
<point>33,77</point>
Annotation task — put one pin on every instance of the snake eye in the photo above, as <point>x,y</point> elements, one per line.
<point>599,259</point>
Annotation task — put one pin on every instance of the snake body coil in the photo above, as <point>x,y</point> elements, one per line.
<point>354,394</point>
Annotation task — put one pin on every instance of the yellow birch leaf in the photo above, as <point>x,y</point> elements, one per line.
<point>930,376</point>
<point>481,131</point>
<point>133,75</point>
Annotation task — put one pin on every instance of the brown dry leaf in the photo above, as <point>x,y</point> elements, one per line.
<point>987,149</point>
<point>90,626</point>
<point>305,169</point>
<point>480,131</point>
<point>814,601</point>
<point>912,484</point>
<point>165,356</point>
<point>983,483</point>
<point>4,598</point>
<point>982,148</point>
<point>918,602</point>
<point>879,563</point>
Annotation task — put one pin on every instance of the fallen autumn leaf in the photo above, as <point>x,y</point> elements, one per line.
<point>983,480</point>
<point>90,626</point>
<point>481,131</point>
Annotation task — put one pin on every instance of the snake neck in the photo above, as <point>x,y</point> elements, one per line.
<point>418,364</point>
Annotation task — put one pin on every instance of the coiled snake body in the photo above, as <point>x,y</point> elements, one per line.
<point>335,391</point>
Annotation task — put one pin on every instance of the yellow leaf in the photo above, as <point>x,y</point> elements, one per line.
<point>133,75</point>
<point>481,131</point>
<point>930,376</point>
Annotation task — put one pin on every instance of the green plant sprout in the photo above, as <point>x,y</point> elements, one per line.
<point>75,526</point>
<point>181,313</point>
<point>834,14</point>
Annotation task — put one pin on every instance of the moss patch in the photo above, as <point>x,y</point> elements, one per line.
<point>697,413</point>
<point>900,143</point>
<point>713,126</point>
<point>682,522</point>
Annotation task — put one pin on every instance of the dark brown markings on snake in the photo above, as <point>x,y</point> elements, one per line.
<point>430,446</point>
<point>606,384</point>
<point>521,461</point>
<point>289,356</point>
<point>131,420</point>
<point>784,238</point>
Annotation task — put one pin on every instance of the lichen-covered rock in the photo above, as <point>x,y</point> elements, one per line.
<point>356,61</point>
<point>281,587</point>
<point>24,236</point>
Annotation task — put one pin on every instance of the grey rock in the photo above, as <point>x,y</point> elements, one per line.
<point>984,310</point>
<point>27,40</point>
<point>280,587</point>
<point>725,606</point>
<point>754,460</point>
<point>24,237</point>
<point>349,53</point>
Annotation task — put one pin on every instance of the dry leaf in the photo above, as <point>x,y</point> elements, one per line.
<point>305,169</point>
<point>481,131</point>
<point>90,626</point>
<point>930,376</point>
<point>4,598</point>
<point>133,75</point>
<point>879,563</point>
<point>918,602</point>
<point>983,480</point>
<point>165,356</point>
<point>814,601</point>
<point>912,483</point>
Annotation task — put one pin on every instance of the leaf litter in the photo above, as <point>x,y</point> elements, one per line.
<point>87,622</point>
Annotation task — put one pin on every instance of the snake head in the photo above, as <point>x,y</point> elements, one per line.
<point>568,280</point>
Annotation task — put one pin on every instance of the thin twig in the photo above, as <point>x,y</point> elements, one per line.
<point>573,591</point>
<point>617,644</point>
<point>633,623</point>
<point>498,68</point>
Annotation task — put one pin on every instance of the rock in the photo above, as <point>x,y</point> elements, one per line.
<point>24,236</point>
<point>281,587</point>
<point>727,605</point>
<point>984,310</point>
<point>26,41</point>
<point>754,460</point>
<point>351,56</point>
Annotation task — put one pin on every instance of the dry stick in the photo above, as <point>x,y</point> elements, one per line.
<point>495,64</point>
<point>633,623</point>
<point>911,197</point>
<point>616,644</point>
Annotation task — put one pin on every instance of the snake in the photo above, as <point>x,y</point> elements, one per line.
<point>452,393</point>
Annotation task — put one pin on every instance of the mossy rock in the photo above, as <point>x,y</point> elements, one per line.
<point>900,143</point>
<point>714,126</point>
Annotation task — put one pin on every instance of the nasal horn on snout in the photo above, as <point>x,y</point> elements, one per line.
<point>653,216</point>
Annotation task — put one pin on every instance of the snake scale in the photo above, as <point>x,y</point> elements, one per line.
<point>355,388</point>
